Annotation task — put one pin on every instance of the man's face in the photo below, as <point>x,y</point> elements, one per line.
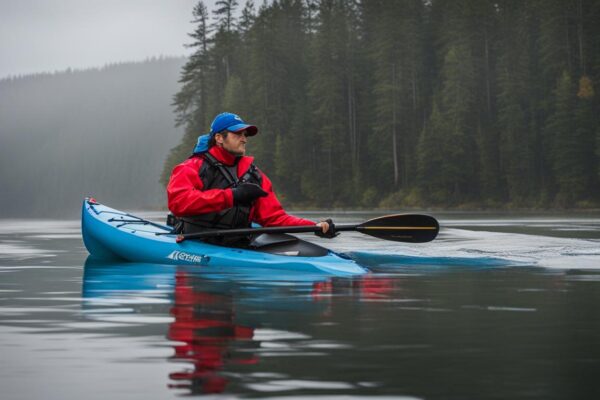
<point>235,142</point>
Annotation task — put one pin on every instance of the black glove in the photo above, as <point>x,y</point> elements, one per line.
<point>330,233</point>
<point>246,193</point>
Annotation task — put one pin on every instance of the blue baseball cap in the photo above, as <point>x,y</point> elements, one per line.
<point>232,123</point>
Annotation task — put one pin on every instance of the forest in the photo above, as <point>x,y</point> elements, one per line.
<point>405,103</point>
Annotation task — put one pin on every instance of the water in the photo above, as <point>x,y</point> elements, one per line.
<point>497,307</point>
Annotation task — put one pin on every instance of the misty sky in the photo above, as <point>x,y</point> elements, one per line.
<point>53,35</point>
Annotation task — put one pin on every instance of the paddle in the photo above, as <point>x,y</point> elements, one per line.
<point>410,228</point>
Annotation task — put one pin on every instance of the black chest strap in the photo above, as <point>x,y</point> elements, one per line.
<point>231,179</point>
<point>252,175</point>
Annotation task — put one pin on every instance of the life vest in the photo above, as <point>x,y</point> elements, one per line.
<point>216,175</point>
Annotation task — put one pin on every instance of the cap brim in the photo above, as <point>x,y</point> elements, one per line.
<point>252,130</point>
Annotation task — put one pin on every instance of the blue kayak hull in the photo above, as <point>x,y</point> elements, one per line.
<point>110,234</point>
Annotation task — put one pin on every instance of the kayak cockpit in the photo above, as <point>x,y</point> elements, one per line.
<point>286,245</point>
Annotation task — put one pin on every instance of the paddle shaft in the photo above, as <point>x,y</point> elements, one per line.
<point>254,231</point>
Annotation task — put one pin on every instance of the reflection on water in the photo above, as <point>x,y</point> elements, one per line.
<point>240,333</point>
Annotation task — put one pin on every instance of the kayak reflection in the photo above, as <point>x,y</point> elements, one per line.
<point>220,320</point>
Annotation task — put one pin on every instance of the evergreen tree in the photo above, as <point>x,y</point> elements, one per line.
<point>569,150</point>
<point>464,95</point>
<point>586,122</point>
<point>331,90</point>
<point>457,97</point>
<point>517,101</point>
<point>247,18</point>
<point>397,54</point>
<point>277,92</point>
<point>226,41</point>
<point>431,161</point>
<point>294,139</point>
<point>191,101</point>
<point>224,15</point>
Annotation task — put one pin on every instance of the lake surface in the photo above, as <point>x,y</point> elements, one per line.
<point>498,307</point>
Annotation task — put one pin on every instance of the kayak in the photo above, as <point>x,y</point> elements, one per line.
<point>110,234</point>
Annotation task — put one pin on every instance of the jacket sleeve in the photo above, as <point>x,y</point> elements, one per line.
<point>185,195</point>
<point>267,211</point>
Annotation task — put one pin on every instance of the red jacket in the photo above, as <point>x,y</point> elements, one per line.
<point>187,197</point>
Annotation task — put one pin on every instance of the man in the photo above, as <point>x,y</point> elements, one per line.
<point>219,187</point>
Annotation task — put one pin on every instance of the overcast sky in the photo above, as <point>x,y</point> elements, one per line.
<point>53,35</point>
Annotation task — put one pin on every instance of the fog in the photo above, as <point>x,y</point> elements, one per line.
<point>101,132</point>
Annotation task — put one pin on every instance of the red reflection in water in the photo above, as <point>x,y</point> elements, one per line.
<point>373,287</point>
<point>365,287</point>
<point>205,323</point>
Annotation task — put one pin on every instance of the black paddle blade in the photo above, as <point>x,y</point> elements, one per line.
<point>411,228</point>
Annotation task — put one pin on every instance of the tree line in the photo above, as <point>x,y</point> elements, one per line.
<point>367,103</point>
